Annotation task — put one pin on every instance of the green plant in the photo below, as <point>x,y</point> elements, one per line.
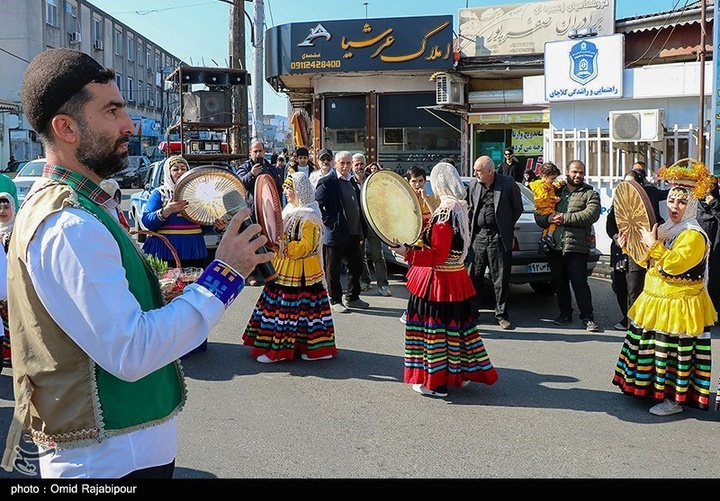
<point>159,265</point>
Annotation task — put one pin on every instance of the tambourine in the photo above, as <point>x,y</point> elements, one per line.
<point>212,193</point>
<point>268,209</point>
<point>215,193</point>
<point>633,212</point>
<point>391,207</point>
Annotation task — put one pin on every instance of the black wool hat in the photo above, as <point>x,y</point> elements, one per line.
<point>51,79</point>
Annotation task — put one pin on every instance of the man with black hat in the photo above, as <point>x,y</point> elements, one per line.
<point>97,381</point>
<point>325,165</point>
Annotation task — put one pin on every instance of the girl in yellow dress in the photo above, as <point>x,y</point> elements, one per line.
<point>292,316</point>
<point>545,191</point>
<point>666,353</point>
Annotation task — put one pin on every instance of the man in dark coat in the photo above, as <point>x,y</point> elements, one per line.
<point>494,206</point>
<point>248,172</point>
<point>344,231</point>
<point>510,166</point>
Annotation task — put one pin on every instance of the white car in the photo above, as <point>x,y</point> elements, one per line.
<point>139,199</point>
<point>529,265</point>
<point>27,176</point>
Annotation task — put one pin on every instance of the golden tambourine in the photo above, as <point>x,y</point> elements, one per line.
<point>212,193</point>
<point>391,207</point>
<point>633,212</point>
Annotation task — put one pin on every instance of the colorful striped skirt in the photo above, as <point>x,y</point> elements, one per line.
<point>289,320</point>
<point>443,346</point>
<point>661,366</point>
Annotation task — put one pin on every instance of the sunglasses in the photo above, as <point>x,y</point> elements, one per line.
<point>508,154</point>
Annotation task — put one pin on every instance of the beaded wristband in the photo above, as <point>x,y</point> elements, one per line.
<point>223,281</point>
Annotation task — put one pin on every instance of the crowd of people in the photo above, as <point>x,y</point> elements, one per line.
<point>100,394</point>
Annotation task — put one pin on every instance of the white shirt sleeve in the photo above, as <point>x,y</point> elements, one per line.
<point>75,266</point>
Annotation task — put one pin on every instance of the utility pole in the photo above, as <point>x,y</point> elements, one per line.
<point>238,140</point>
<point>701,57</point>
<point>258,72</point>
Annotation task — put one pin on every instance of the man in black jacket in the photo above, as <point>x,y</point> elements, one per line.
<point>248,172</point>
<point>494,206</point>
<point>628,277</point>
<point>345,228</point>
<point>510,166</point>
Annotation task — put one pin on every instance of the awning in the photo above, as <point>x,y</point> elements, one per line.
<point>9,106</point>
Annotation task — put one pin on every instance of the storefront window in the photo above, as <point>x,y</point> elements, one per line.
<point>414,132</point>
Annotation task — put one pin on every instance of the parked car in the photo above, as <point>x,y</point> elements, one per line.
<point>27,176</point>
<point>138,200</point>
<point>529,265</point>
<point>13,167</point>
<point>135,173</point>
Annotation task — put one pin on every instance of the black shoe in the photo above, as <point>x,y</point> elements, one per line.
<point>563,319</point>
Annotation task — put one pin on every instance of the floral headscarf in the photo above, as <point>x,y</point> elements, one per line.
<point>305,205</point>
<point>446,184</point>
<point>167,189</point>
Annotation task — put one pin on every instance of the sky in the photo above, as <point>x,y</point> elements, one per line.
<point>196,31</point>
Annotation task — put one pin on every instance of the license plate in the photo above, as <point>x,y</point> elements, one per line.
<point>538,268</point>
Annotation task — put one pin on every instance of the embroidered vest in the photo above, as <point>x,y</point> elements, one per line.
<point>62,398</point>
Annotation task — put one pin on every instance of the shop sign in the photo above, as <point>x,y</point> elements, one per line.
<point>585,68</point>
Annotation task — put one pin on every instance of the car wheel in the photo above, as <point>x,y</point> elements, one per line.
<point>544,288</point>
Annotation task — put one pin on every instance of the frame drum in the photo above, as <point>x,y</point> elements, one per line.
<point>212,193</point>
<point>633,212</point>
<point>391,207</point>
<point>268,209</point>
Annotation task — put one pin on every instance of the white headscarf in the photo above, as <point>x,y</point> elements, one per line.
<point>167,189</point>
<point>669,230</point>
<point>305,205</point>
<point>446,184</point>
<point>8,226</point>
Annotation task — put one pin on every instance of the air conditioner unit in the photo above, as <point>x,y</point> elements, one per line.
<point>75,37</point>
<point>98,45</point>
<point>448,90</point>
<point>207,106</point>
<point>637,125</point>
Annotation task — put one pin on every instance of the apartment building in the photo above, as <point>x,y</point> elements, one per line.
<point>32,26</point>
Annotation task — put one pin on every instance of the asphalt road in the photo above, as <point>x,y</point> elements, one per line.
<point>552,414</point>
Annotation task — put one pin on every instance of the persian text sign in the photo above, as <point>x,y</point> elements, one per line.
<point>360,45</point>
<point>524,28</point>
<point>585,68</point>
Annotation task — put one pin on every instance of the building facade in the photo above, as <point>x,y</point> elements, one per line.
<point>32,26</point>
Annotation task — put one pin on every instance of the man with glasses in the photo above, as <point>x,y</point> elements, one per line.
<point>510,166</point>
<point>325,165</point>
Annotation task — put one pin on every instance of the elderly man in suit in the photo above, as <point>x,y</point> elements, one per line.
<point>344,231</point>
<point>495,205</point>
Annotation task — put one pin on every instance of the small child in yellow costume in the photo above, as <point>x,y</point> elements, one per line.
<point>545,191</point>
